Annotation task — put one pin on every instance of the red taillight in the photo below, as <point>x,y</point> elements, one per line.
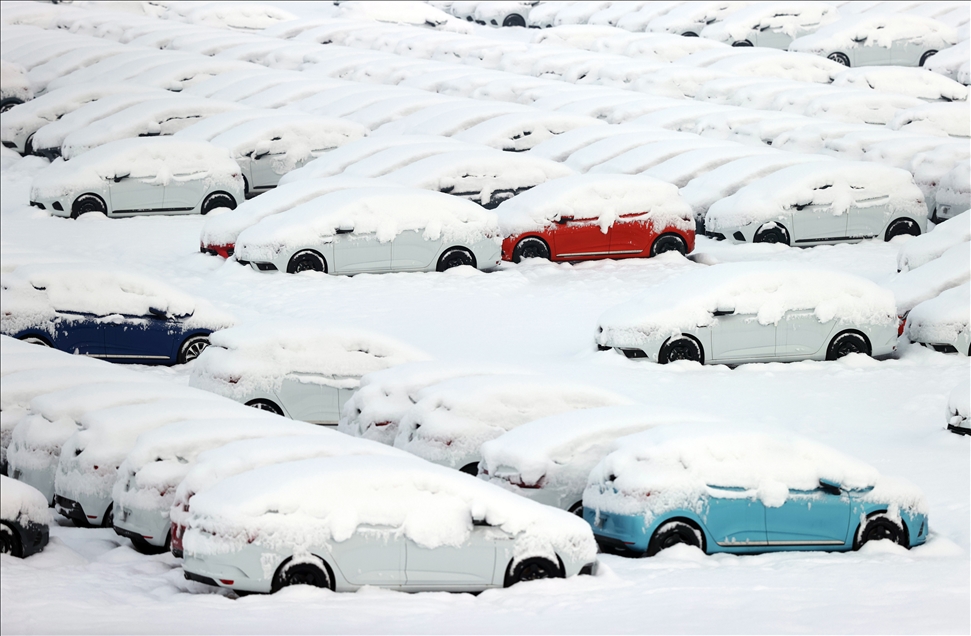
<point>382,423</point>
<point>901,323</point>
<point>226,581</point>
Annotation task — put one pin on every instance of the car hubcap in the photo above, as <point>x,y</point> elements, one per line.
<point>194,349</point>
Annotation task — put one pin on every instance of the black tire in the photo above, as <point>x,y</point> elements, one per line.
<point>470,469</point>
<point>879,526</point>
<point>840,58</point>
<point>35,339</point>
<point>314,574</point>
<point>10,102</point>
<point>772,233</point>
<point>514,20</point>
<point>533,569</point>
<point>900,227</point>
<point>682,348</point>
<point>307,261</point>
<point>689,34</point>
<point>455,257</point>
<point>847,342</point>
<point>669,243</point>
<point>530,247</point>
<point>88,203</point>
<point>29,145</point>
<point>673,533</point>
<point>577,509</point>
<point>192,347</point>
<point>927,54</point>
<point>215,200</point>
<point>10,542</point>
<point>742,43</point>
<point>108,521</point>
<point>265,405</point>
<point>142,546</point>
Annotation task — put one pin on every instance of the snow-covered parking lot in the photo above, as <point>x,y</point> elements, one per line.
<point>536,318</point>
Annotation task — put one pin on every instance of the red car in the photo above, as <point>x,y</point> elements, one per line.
<point>596,216</point>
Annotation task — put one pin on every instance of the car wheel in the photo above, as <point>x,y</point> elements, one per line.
<point>470,469</point>
<point>306,261</point>
<point>672,533</point>
<point>29,145</point>
<point>314,573</point>
<point>839,58</point>
<point>36,340</point>
<point>192,347</point>
<point>847,342</point>
<point>10,102</point>
<point>880,526</point>
<point>772,233</point>
<point>530,247</point>
<point>142,546</point>
<point>669,243</point>
<point>742,43</point>
<point>108,521</point>
<point>689,34</point>
<point>88,203</point>
<point>265,405</point>
<point>9,541</point>
<point>455,257</point>
<point>682,348</point>
<point>926,56</point>
<point>215,200</point>
<point>533,569</point>
<point>577,509</point>
<point>900,227</point>
<point>514,20</point>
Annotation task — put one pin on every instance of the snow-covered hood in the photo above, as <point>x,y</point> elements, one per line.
<point>950,269</point>
<point>927,247</point>
<point>22,503</point>
<point>941,319</point>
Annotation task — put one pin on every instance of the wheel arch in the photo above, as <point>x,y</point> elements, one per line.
<point>701,346</point>
<point>903,217</point>
<point>329,571</point>
<point>456,246</point>
<point>688,518</point>
<point>17,535</point>
<point>852,330</point>
<point>32,333</point>
<point>312,250</point>
<point>514,561</point>
<point>879,510</point>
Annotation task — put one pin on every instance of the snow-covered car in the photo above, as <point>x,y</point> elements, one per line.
<point>135,177</point>
<point>959,410</point>
<point>943,323</point>
<point>450,118</point>
<point>382,521</point>
<point>690,19</point>
<point>24,519</point>
<point>487,177</point>
<point>953,196</point>
<point>297,371</point>
<point>821,203</point>
<point>372,231</point>
<point>935,118</point>
<point>914,286</point>
<point>99,312</point>
<point>15,86</point>
<point>916,82</point>
<point>771,24</point>
<point>740,491</point>
<point>451,419</point>
<point>517,132</point>
<point>878,39</point>
<point>596,216</point>
<point>927,247</point>
<point>549,460</point>
<point>753,312</point>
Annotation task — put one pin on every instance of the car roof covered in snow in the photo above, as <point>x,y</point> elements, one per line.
<point>521,131</point>
<point>950,269</point>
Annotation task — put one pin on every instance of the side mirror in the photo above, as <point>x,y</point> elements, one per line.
<point>829,487</point>
<point>345,229</point>
<point>563,220</point>
<point>724,310</point>
<point>158,314</point>
<point>119,177</point>
<point>259,155</point>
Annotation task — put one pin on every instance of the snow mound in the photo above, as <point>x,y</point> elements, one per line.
<point>955,187</point>
<point>950,269</point>
<point>959,406</point>
<point>916,82</point>
<point>247,16</point>
<point>22,503</point>
<point>521,131</point>
<point>952,62</point>
<point>784,17</point>
<point>941,319</point>
<point>14,83</point>
<point>952,118</point>
<point>926,247</point>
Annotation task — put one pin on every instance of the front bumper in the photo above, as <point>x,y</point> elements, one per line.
<point>152,526</point>
<point>226,570</point>
<point>56,207</point>
<point>960,430</point>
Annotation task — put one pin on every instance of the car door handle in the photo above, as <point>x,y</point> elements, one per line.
<point>344,230</point>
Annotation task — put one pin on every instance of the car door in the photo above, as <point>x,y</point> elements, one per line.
<point>469,565</point>
<point>410,251</point>
<point>906,52</point>
<point>139,338</point>
<point>801,334</point>
<point>630,235</point>
<point>576,238</point>
<point>305,397</point>
<point>261,169</point>
<point>82,334</point>
<point>867,215</point>
<point>184,191</point>
<point>817,220</point>
<point>868,53</point>
<point>813,518</point>
<point>734,517</point>
<point>373,555</point>
<point>359,253</point>
<point>739,337</point>
<point>135,194</point>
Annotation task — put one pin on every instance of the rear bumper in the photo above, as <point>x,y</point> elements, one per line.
<point>151,526</point>
<point>70,509</point>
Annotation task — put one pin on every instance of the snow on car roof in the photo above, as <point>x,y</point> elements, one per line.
<point>40,76</point>
<point>766,290</point>
<point>22,503</point>
<point>391,159</point>
<point>521,131</point>
<point>560,147</point>
<point>259,356</point>
<point>858,105</point>
<point>210,127</point>
<point>950,269</point>
<point>683,168</point>
<point>838,183</point>
<point>249,16</point>
<point>294,135</point>
<point>942,318</point>
<point>449,118</point>
<point>393,108</point>
<point>926,247</point>
<point>649,155</point>
<point>951,118</point>
<point>800,67</point>
<point>14,82</point>
<point>679,464</point>
<point>916,82</point>
<point>339,159</point>
<point>630,137</point>
<point>431,505</point>
<point>876,29</point>
<point>603,198</point>
<point>179,74</point>
<point>785,17</point>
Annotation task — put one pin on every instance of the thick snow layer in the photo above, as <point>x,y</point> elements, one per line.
<point>257,357</point>
<point>839,184</point>
<point>859,106</point>
<point>561,147</point>
<point>949,118</point>
<point>431,505</point>
<point>950,269</point>
<point>925,248</point>
<point>34,294</point>
<point>941,319</point>
<point>416,13</point>
<point>790,18</point>
<point>391,159</point>
<point>630,140</point>
<point>798,67</point>
<point>693,16</point>
<point>453,418</point>
<point>876,29</point>
<point>22,503</point>
<point>955,187</point>
<point>235,16</point>
<point>767,292</point>
<point>160,160</point>
<point>385,212</point>
<point>952,62</point>
<point>603,198</point>
<point>521,131</point>
<point>916,82</point>
<point>210,127</point>
<point>673,467</point>
<point>681,169</point>
<point>14,83</point>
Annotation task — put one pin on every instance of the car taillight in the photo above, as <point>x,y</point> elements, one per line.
<point>901,323</point>
<point>226,581</point>
<point>382,423</point>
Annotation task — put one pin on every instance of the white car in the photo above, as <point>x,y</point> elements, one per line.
<point>943,323</point>
<point>135,177</point>
<point>295,371</point>
<point>453,418</point>
<point>959,410</point>
<point>382,521</point>
<point>771,24</point>
<point>517,132</point>
<point>914,286</point>
<point>878,39</point>
<point>821,203</point>
<point>24,519</point>
<point>753,312</point>
<point>372,231</point>
<point>927,247</point>
<point>689,19</point>
<point>549,460</point>
<point>953,196</point>
<point>15,87</point>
